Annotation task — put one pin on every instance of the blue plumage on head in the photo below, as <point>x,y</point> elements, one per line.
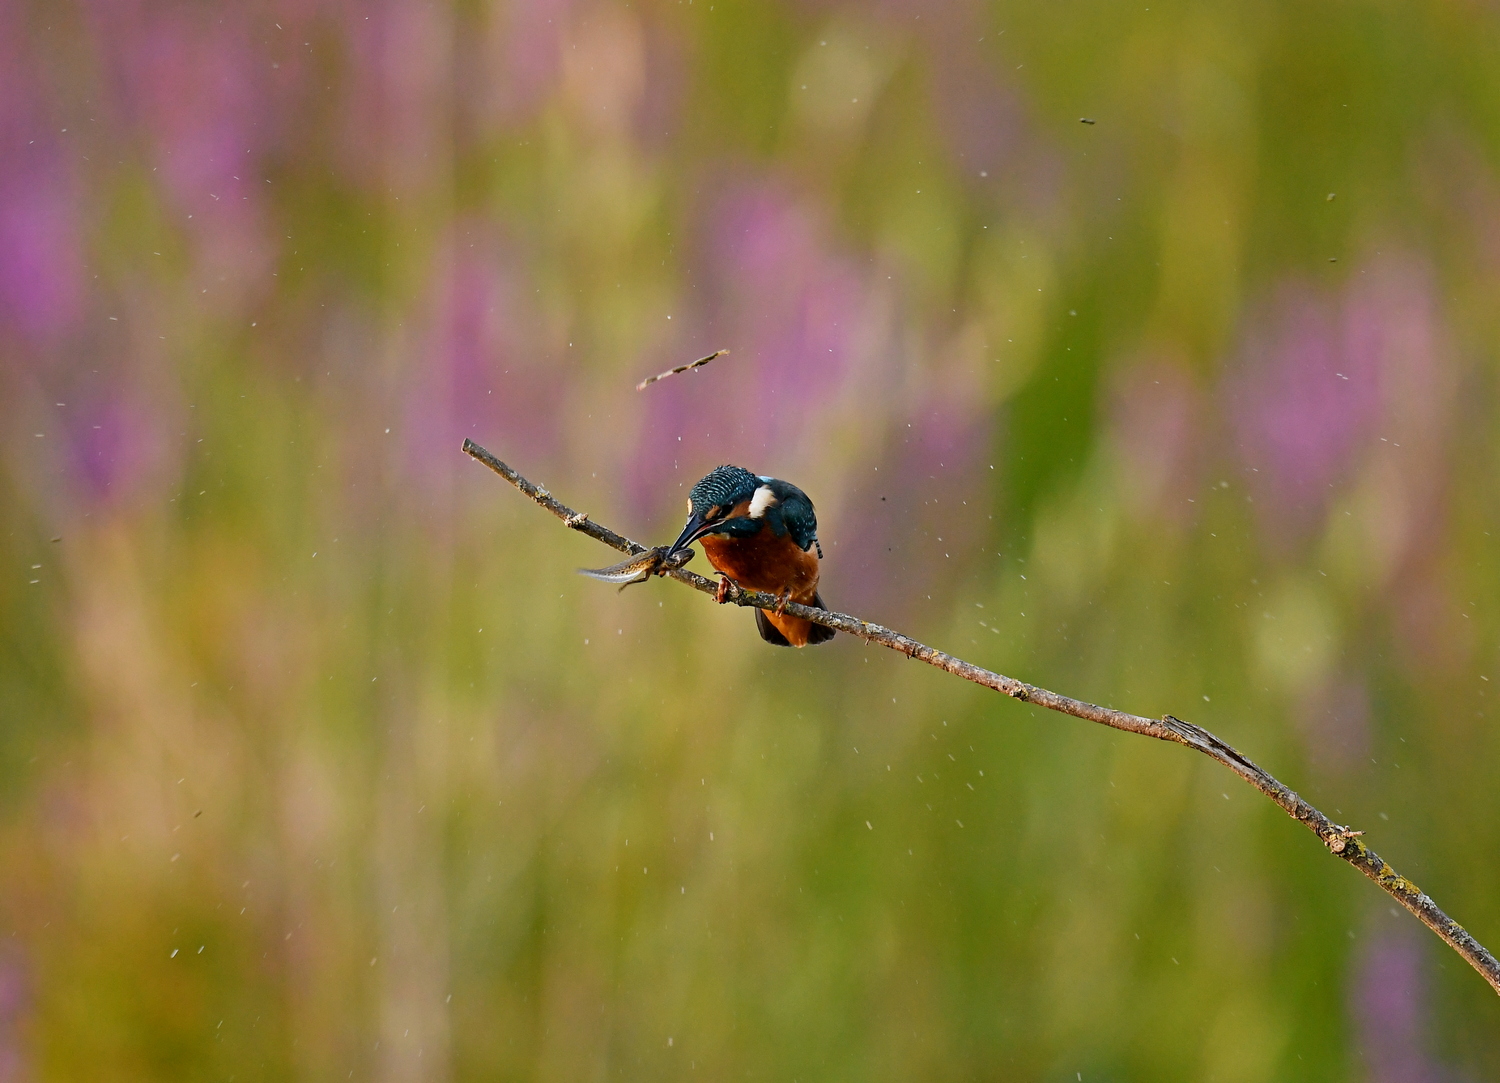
<point>724,487</point>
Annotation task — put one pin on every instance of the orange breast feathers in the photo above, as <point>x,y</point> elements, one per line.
<point>765,562</point>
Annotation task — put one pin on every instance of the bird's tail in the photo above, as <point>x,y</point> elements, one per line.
<point>788,631</point>
<point>817,633</point>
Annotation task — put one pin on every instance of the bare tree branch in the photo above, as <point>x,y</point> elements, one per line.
<point>649,380</point>
<point>1340,840</point>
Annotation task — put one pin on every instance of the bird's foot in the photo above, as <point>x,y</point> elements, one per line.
<point>786,596</point>
<point>728,589</point>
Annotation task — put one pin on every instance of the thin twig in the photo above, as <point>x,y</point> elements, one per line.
<point>1340,840</point>
<point>649,380</point>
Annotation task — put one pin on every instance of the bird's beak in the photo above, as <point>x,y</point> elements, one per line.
<point>695,529</point>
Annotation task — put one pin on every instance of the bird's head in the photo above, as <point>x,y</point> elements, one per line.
<point>722,495</point>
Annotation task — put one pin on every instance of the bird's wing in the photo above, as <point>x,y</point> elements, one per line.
<point>798,516</point>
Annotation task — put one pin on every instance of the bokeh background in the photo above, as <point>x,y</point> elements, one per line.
<point>318,761</point>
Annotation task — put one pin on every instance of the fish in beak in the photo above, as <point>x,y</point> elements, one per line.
<point>639,568</point>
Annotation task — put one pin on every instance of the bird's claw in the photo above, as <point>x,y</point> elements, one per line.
<point>786,596</point>
<point>728,588</point>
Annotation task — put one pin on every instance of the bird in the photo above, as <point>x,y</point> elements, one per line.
<point>762,534</point>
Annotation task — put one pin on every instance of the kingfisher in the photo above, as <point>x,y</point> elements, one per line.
<point>762,534</point>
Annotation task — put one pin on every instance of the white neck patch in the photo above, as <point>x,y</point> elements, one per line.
<point>762,500</point>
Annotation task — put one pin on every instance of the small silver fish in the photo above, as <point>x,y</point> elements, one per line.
<point>641,567</point>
